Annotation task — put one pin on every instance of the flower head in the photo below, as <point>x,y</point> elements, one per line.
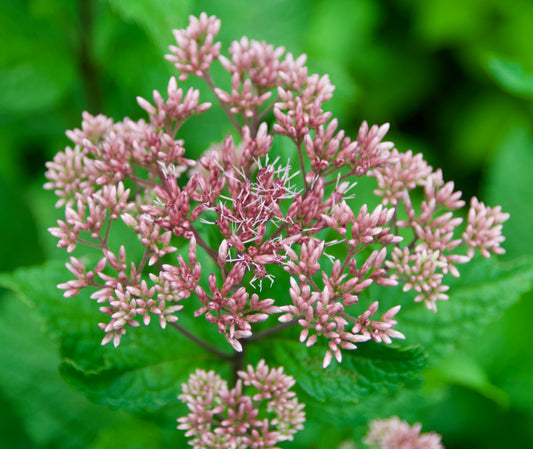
<point>392,433</point>
<point>254,214</point>
<point>230,418</point>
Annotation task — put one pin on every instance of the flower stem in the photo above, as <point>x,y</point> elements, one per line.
<point>86,242</point>
<point>273,330</point>
<point>144,260</point>
<point>298,144</point>
<point>212,253</point>
<point>207,78</point>
<point>202,343</point>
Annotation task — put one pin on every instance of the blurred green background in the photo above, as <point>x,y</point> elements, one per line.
<point>453,77</point>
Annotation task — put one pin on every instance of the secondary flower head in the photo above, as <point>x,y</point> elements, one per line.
<point>258,412</point>
<point>392,433</point>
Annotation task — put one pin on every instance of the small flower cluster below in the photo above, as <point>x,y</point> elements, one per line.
<point>258,412</point>
<point>393,433</point>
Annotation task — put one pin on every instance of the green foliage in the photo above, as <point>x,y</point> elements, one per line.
<point>46,412</point>
<point>284,28</point>
<point>51,414</point>
<point>20,249</point>
<point>366,379</point>
<point>157,17</point>
<point>368,370</point>
<point>508,183</point>
<point>38,71</point>
<point>511,76</point>
<point>454,78</point>
<point>485,289</point>
<point>143,374</point>
<point>459,368</point>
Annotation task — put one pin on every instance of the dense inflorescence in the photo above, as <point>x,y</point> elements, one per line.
<point>258,412</point>
<point>254,214</point>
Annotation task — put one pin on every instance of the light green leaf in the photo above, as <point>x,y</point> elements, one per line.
<point>460,368</point>
<point>140,434</point>
<point>511,76</point>
<point>508,183</point>
<point>355,26</point>
<point>448,22</point>
<point>157,17</point>
<point>278,22</point>
<point>485,289</point>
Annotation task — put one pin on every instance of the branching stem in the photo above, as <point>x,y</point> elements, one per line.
<point>212,253</point>
<point>86,242</point>
<point>202,343</point>
<point>333,181</point>
<point>207,78</point>
<point>298,144</point>
<point>273,330</point>
<point>348,317</point>
<point>144,260</point>
<point>143,182</point>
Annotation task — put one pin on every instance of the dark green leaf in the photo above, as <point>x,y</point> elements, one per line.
<point>52,414</point>
<point>22,247</point>
<point>35,65</point>
<point>143,373</point>
<point>368,370</point>
<point>343,393</point>
<point>481,124</point>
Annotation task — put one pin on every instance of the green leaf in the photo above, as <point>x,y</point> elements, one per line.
<point>52,414</point>
<point>157,17</point>
<point>70,322</point>
<point>460,368</point>
<point>143,374</point>
<point>36,68</point>
<point>143,385</point>
<point>504,352</point>
<point>278,22</point>
<point>370,369</point>
<point>508,183</point>
<point>21,248</point>
<point>485,289</point>
<point>511,76</point>
<point>366,378</point>
<point>447,22</point>
<point>481,124</point>
<point>139,434</point>
<point>356,23</point>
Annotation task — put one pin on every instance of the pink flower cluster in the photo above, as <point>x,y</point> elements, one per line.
<point>392,433</point>
<point>254,215</point>
<point>258,412</point>
<point>435,248</point>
